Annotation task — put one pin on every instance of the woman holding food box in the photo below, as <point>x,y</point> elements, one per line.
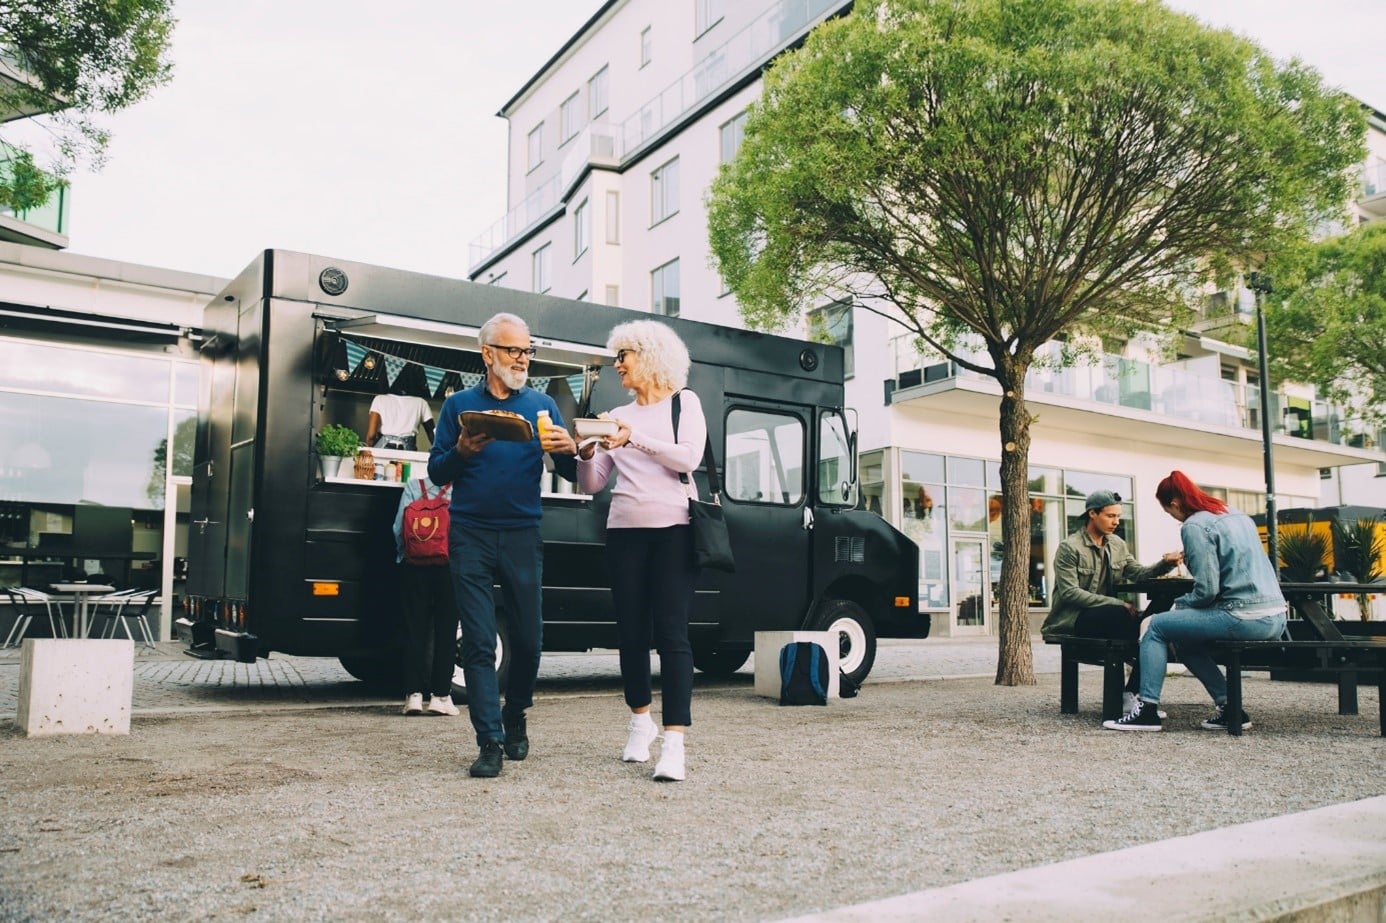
<point>649,542</point>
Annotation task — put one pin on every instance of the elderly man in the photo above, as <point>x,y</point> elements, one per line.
<point>493,537</point>
<point>1087,565</point>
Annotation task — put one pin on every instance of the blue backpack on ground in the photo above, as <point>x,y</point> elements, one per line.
<point>803,674</point>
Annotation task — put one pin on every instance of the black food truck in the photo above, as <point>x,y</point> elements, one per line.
<point>286,555</point>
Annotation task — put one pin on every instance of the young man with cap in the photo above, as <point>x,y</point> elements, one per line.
<point>1087,565</point>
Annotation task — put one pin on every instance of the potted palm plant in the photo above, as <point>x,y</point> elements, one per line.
<point>1360,545</point>
<point>335,442</point>
<point>1303,553</point>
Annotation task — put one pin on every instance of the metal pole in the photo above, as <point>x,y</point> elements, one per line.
<point>1261,286</point>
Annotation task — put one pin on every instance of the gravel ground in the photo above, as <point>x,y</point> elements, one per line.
<point>355,813</point>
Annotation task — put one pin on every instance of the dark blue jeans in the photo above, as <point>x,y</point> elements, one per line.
<point>480,558</point>
<point>652,582</point>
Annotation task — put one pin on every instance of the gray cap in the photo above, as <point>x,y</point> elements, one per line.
<point>1101,499</point>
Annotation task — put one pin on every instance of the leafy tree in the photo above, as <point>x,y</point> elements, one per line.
<point>1015,172</point>
<point>83,58</point>
<point>1326,320</point>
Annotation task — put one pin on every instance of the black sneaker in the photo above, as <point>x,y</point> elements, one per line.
<point>1144,717</point>
<point>488,764</point>
<point>1218,722</point>
<point>516,738</point>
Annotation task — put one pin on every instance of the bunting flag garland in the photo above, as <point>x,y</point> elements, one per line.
<point>393,366</point>
<point>356,354</point>
<point>437,379</point>
<point>434,377</point>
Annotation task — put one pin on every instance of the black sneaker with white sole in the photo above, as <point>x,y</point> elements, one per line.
<point>1144,717</point>
<point>1218,722</point>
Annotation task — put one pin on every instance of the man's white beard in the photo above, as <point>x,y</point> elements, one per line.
<point>509,377</point>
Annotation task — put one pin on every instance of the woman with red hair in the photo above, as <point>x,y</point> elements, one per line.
<point>1236,596</point>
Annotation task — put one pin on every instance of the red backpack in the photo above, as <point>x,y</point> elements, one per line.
<point>425,527</point>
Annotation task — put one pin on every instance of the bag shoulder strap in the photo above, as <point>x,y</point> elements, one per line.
<point>423,488</point>
<point>714,483</point>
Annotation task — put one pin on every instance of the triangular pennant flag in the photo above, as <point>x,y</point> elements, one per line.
<point>356,353</point>
<point>539,384</point>
<point>393,366</point>
<point>434,378</point>
<point>470,379</point>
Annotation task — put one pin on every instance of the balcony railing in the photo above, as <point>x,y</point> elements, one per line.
<point>1165,390</point>
<point>611,143</point>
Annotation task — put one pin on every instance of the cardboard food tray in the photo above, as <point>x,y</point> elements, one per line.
<point>497,425</point>
<point>592,426</point>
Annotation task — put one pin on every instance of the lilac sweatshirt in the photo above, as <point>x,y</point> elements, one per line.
<point>648,493</point>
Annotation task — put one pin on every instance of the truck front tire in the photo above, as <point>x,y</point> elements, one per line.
<point>459,679</point>
<point>717,662</point>
<point>855,631</point>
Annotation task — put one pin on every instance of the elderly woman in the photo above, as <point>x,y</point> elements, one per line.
<point>649,542</point>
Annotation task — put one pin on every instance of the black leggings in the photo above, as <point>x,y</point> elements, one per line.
<point>430,628</point>
<point>1113,622</point>
<point>652,580</point>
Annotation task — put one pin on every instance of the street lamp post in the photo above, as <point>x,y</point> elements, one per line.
<point>1260,284</point>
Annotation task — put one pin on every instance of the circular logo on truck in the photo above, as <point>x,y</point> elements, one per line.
<point>332,280</point>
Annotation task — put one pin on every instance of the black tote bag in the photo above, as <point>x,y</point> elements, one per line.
<point>711,542</point>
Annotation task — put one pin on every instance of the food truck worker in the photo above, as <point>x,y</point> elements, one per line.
<point>493,536</point>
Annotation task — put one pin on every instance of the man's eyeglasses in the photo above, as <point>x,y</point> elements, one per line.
<point>622,353</point>
<point>515,352</point>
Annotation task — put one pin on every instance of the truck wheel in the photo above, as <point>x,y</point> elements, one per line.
<point>459,679</point>
<point>856,634</point>
<point>718,662</point>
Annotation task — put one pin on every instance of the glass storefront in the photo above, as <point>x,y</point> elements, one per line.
<point>98,441</point>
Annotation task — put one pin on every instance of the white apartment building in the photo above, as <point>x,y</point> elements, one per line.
<point>613,144</point>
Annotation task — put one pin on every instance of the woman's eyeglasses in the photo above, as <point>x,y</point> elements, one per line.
<point>515,352</point>
<point>622,353</point>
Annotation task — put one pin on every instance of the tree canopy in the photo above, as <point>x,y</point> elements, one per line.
<point>1326,320</point>
<point>1012,172</point>
<point>70,61</point>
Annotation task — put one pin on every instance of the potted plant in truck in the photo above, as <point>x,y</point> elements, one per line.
<point>335,442</point>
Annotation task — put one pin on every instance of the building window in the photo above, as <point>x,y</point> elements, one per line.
<point>833,324</point>
<point>568,119</point>
<point>581,229</point>
<point>613,217</point>
<point>706,14</point>
<point>536,146</point>
<point>664,289</point>
<point>597,94</point>
<point>732,133</point>
<point>539,261</point>
<point>646,46</point>
<point>664,192</point>
<point>497,279</point>
<point>613,295</point>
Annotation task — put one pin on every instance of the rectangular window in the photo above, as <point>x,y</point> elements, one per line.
<point>613,295</point>
<point>664,192</point>
<point>664,289</point>
<point>765,457</point>
<point>646,46</point>
<point>613,217</point>
<point>732,133</point>
<point>539,261</point>
<point>581,232</point>
<point>568,118</point>
<point>536,146</point>
<point>597,94</point>
<point>833,324</point>
<point>706,14</point>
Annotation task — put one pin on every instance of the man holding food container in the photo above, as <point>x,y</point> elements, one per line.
<point>486,445</point>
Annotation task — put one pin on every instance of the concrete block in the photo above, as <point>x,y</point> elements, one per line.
<point>76,686</point>
<point>767,658</point>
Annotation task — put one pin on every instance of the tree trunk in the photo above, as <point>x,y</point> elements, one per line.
<point>1015,662</point>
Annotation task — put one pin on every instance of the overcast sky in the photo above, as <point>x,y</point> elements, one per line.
<point>367,130</point>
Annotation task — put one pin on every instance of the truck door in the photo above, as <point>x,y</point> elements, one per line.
<point>766,485</point>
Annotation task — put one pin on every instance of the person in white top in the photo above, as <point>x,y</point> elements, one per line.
<point>649,548</point>
<point>395,419</point>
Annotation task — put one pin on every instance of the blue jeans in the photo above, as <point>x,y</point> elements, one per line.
<point>1192,629</point>
<point>479,559</point>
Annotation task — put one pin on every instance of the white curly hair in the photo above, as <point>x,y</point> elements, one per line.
<point>662,354</point>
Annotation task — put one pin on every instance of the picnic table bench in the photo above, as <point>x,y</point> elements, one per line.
<point>1316,644</point>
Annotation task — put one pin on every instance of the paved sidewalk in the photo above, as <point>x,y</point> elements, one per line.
<point>168,681</point>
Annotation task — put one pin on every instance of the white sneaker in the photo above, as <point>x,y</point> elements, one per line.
<point>643,732</point>
<point>442,705</point>
<point>1128,705</point>
<point>670,766</point>
<point>413,704</point>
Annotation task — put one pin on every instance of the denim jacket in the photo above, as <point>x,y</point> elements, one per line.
<point>1229,566</point>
